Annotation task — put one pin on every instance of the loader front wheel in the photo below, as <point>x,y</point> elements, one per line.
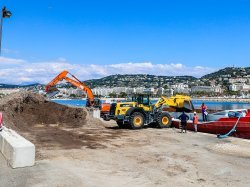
<point>164,120</point>
<point>137,120</point>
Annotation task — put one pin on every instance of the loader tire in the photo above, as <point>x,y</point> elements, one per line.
<point>137,120</point>
<point>121,125</point>
<point>106,118</point>
<point>164,120</point>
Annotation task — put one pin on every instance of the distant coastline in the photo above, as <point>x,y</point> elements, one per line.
<point>212,99</point>
<point>218,99</point>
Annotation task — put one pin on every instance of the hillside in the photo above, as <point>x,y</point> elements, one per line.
<point>145,80</point>
<point>18,86</point>
<point>230,72</point>
<point>138,80</point>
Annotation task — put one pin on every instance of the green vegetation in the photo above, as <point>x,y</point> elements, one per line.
<point>112,95</point>
<point>72,95</point>
<point>229,72</point>
<point>123,95</point>
<point>138,80</point>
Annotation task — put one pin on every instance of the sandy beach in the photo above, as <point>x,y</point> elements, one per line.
<point>75,149</point>
<point>147,157</point>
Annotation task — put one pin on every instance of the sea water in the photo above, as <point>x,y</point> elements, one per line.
<point>210,104</point>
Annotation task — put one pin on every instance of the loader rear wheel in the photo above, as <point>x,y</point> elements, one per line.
<point>164,120</point>
<point>137,120</point>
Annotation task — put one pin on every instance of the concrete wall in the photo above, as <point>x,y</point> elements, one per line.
<point>97,113</point>
<point>18,151</point>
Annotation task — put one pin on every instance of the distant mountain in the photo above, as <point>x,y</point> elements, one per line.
<point>145,80</point>
<point>8,86</point>
<point>19,86</point>
<point>137,80</point>
<point>230,72</point>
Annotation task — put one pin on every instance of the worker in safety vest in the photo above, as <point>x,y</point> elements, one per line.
<point>1,121</point>
<point>195,121</point>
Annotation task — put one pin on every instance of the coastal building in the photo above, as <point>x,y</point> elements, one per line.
<point>6,91</point>
<point>239,87</point>
<point>238,80</point>
<point>180,88</point>
<point>214,89</point>
<point>168,92</point>
<point>148,90</point>
<point>234,87</point>
<point>160,91</point>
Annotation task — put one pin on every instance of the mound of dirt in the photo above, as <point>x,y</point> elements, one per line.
<point>25,109</point>
<point>51,126</point>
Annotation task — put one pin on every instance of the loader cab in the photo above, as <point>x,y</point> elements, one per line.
<point>141,99</point>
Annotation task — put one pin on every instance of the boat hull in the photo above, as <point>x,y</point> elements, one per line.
<point>222,126</point>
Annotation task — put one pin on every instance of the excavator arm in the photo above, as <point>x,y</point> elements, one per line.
<point>76,82</point>
<point>82,87</point>
<point>57,79</point>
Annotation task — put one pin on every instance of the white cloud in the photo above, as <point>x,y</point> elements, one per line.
<point>9,51</point>
<point>18,71</point>
<point>10,61</point>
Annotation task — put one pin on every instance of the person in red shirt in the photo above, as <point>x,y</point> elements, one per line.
<point>204,112</point>
<point>195,121</point>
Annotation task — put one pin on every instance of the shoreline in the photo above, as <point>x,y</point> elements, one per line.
<point>214,99</point>
<point>236,100</point>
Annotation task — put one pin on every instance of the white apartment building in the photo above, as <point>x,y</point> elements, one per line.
<point>239,87</point>
<point>239,80</point>
<point>216,89</point>
<point>180,88</point>
<point>149,90</point>
<point>8,91</point>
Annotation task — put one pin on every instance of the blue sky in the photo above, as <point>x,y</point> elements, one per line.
<point>93,39</point>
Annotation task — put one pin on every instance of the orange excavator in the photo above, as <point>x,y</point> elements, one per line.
<point>91,101</point>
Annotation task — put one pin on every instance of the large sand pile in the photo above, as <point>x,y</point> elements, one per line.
<point>52,126</point>
<point>24,110</point>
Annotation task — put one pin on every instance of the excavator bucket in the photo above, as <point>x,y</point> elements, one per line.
<point>52,94</point>
<point>52,91</point>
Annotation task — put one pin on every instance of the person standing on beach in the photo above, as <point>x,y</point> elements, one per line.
<point>204,112</point>
<point>195,121</point>
<point>184,118</point>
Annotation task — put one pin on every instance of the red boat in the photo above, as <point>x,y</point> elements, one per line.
<point>232,122</point>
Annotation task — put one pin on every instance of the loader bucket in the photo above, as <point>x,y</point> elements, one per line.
<point>188,106</point>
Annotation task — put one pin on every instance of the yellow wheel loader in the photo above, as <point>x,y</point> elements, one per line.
<point>140,111</point>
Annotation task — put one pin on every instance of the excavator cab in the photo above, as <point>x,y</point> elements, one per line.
<point>97,103</point>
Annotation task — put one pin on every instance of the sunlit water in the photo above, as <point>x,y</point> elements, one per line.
<point>197,104</point>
